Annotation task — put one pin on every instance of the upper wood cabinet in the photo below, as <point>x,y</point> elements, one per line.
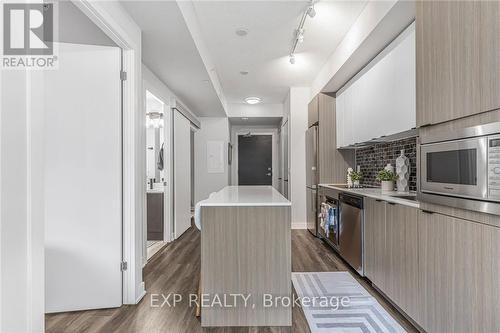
<point>489,61</point>
<point>333,164</point>
<point>313,111</point>
<point>380,100</point>
<point>458,67</point>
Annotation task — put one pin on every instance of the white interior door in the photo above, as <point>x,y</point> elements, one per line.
<point>83,236</point>
<point>182,174</point>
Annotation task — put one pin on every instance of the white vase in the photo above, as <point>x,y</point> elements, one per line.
<point>387,185</point>
<point>403,172</point>
<point>356,183</point>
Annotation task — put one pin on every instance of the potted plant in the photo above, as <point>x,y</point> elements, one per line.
<point>387,179</point>
<point>356,176</point>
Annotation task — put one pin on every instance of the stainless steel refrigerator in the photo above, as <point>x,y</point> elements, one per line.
<point>312,178</point>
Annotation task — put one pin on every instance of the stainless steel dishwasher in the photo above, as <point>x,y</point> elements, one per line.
<point>351,230</point>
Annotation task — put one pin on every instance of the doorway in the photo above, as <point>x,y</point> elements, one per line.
<point>255,159</point>
<point>157,167</point>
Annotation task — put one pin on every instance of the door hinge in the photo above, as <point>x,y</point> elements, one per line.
<point>123,266</point>
<point>123,75</point>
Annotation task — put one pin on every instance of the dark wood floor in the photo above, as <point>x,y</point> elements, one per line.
<point>175,269</point>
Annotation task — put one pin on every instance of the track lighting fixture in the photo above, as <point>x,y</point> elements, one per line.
<point>299,32</point>
<point>300,35</point>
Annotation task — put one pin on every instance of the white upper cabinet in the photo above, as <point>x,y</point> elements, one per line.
<point>380,99</point>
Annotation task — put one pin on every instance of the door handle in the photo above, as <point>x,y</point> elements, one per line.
<point>268,174</point>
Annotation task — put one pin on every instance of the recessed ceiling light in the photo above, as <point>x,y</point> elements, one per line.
<point>252,100</point>
<point>243,72</point>
<point>241,32</point>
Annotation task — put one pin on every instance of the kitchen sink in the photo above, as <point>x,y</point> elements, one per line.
<point>406,197</point>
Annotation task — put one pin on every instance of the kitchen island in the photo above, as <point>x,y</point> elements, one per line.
<point>245,257</point>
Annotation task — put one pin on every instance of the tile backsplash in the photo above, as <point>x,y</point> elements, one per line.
<point>374,158</point>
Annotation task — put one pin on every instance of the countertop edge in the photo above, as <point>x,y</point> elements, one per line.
<point>384,197</point>
<point>247,204</point>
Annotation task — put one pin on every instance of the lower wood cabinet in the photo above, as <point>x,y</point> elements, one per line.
<point>459,275</point>
<point>375,251</point>
<point>442,271</point>
<point>402,257</point>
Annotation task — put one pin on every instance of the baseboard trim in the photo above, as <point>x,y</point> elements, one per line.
<point>142,293</point>
<point>299,225</point>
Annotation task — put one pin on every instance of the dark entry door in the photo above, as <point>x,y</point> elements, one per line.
<point>255,160</point>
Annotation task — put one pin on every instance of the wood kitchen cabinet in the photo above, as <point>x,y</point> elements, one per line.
<point>375,251</point>
<point>401,283</point>
<point>333,163</point>
<point>313,111</point>
<point>459,285</point>
<point>458,67</point>
<point>489,46</point>
<point>391,252</point>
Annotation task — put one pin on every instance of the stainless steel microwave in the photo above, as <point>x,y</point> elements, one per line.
<point>463,164</point>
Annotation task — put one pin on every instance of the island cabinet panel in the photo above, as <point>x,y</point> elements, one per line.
<point>402,257</point>
<point>376,264</point>
<point>459,285</point>
<point>246,250</point>
<point>458,67</point>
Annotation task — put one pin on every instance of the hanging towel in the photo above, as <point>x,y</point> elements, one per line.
<point>160,158</point>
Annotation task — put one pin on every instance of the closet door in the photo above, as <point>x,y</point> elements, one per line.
<point>83,179</point>
<point>182,174</point>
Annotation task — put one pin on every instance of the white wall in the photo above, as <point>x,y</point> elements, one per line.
<point>212,129</point>
<point>257,110</point>
<point>298,99</point>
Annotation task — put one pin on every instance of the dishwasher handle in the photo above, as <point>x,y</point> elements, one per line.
<point>351,200</point>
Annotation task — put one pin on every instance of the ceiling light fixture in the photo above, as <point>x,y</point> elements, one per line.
<point>252,100</point>
<point>241,32</point>
<point>299,32</point>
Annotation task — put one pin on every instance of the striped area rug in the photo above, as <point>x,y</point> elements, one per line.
<point>338,303</point>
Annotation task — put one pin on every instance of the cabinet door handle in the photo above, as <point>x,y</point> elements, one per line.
<point>427,211</point>
<point>378,200</point>
<point>391,203</point>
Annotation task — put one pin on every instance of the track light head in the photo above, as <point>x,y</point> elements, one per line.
<point>292,59</point>
<point>311,11</point>
<point>300,35</point>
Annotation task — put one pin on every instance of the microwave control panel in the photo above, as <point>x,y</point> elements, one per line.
<point>494,167</point>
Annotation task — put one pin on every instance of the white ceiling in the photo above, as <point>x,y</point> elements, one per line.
<point>170,52</point>
<point>264,51</point>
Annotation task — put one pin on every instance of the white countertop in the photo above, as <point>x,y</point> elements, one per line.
<point>377,193</point>
<point>247,196</point>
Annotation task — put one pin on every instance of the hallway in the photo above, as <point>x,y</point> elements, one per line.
<point>175,270</point>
